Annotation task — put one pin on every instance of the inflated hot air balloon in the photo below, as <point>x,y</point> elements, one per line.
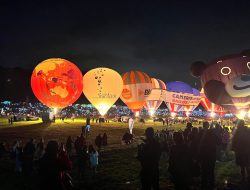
<point>178,95</point>
<point>192,103</point>
<point>156,97</point>
<point>102,87</point>
<point>56,82</point>
<point>209,106</point>
<point>136,88</point>
<point>226,80</point>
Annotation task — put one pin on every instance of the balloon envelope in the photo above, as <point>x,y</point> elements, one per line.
<point>196,98</point>
<point>156,96</point>
<point>178,95</point>
<point>103,86</point>
<point>56,82</point>
<point>136,88</point>
<point>210,106</point>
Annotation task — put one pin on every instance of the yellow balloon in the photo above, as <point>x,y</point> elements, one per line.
<point>102,87</point>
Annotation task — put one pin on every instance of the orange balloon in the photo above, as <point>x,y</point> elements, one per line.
<point>56,82</point>
<point>136,88</point>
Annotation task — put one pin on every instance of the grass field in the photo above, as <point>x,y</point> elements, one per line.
<point>118,168</point>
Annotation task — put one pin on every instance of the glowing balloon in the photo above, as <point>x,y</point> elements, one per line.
<point>56,82</point>
<point>193,103</point>
<point>102,87</point>
<point>226,80</point>
<point>209,106</point>
<point>178,95</point>
<point>156,96</point>
<point>136,88</point>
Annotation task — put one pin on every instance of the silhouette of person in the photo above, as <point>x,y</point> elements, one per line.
<point>149,155</point>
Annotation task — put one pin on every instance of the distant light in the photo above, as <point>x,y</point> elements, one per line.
<point>173,114</point>
<point>212,114</point>
<point>241,114</point>
<point>151,113</point>
<point>187,114</point>
<point>137,114</point>
<point>248,114</point>
<point>55,110</point>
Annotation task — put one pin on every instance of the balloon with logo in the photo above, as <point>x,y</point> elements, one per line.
<point>196,98</point>
<point>103,87</point>
<point>178,95</point>
<point>136,88</point>
<point>56,82</point>
<point>156,96</point>
<point>226,80</point>
<point>209,106</point>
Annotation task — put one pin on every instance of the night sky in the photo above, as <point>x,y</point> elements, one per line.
<point>161,38</point>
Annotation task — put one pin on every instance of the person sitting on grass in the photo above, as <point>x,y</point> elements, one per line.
<point>127,138</point>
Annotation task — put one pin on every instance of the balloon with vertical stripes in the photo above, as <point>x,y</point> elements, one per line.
<point>156,96</point>
<point>136,88</point>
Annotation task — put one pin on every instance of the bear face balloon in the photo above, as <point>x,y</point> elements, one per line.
<point>226,80</point>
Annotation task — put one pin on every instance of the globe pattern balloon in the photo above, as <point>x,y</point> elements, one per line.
<point>56,82</point>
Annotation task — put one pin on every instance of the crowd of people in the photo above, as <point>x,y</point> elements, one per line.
<point>191,154</point>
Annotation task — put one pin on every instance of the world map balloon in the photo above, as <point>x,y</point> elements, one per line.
<point>56,82</point>
<point>136,88</point>
<point>102,87</point>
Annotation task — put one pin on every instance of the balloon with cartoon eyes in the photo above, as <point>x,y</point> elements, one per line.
<point>226,80</point>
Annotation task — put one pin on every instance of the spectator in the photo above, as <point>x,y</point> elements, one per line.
<point>180,163</point>
<point>2,149</point>
<point>53,168</point>
<point>28,157</point>
<point>93,158</point>
<point>82,158</point>
<point>240,145</point>
<point>69,146</point>
<point>207,156</point>
<point>39,149</point>
<point>104,140</point>
<point>98,142</point>
<point>149,155</point>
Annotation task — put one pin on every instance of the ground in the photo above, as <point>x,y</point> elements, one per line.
<point>118,168</point>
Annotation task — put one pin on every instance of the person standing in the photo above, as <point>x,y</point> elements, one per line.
<point>93,158</point>
<point>207,156</point>
<point>149,155</point>
<point>131,125</point>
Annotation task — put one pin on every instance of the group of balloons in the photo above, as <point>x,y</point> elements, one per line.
<point>58,83</point>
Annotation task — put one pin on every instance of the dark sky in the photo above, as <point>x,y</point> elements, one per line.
<point>161,38</point>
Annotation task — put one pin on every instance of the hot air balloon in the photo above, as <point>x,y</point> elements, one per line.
<point>136,88</point>
<point>56,82</point>
<point>209,106</point>
<point>178,95</point>
<point>156,96</point>
<point>226,80</point>
<point>196,98</point>
<point>103,86</point>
